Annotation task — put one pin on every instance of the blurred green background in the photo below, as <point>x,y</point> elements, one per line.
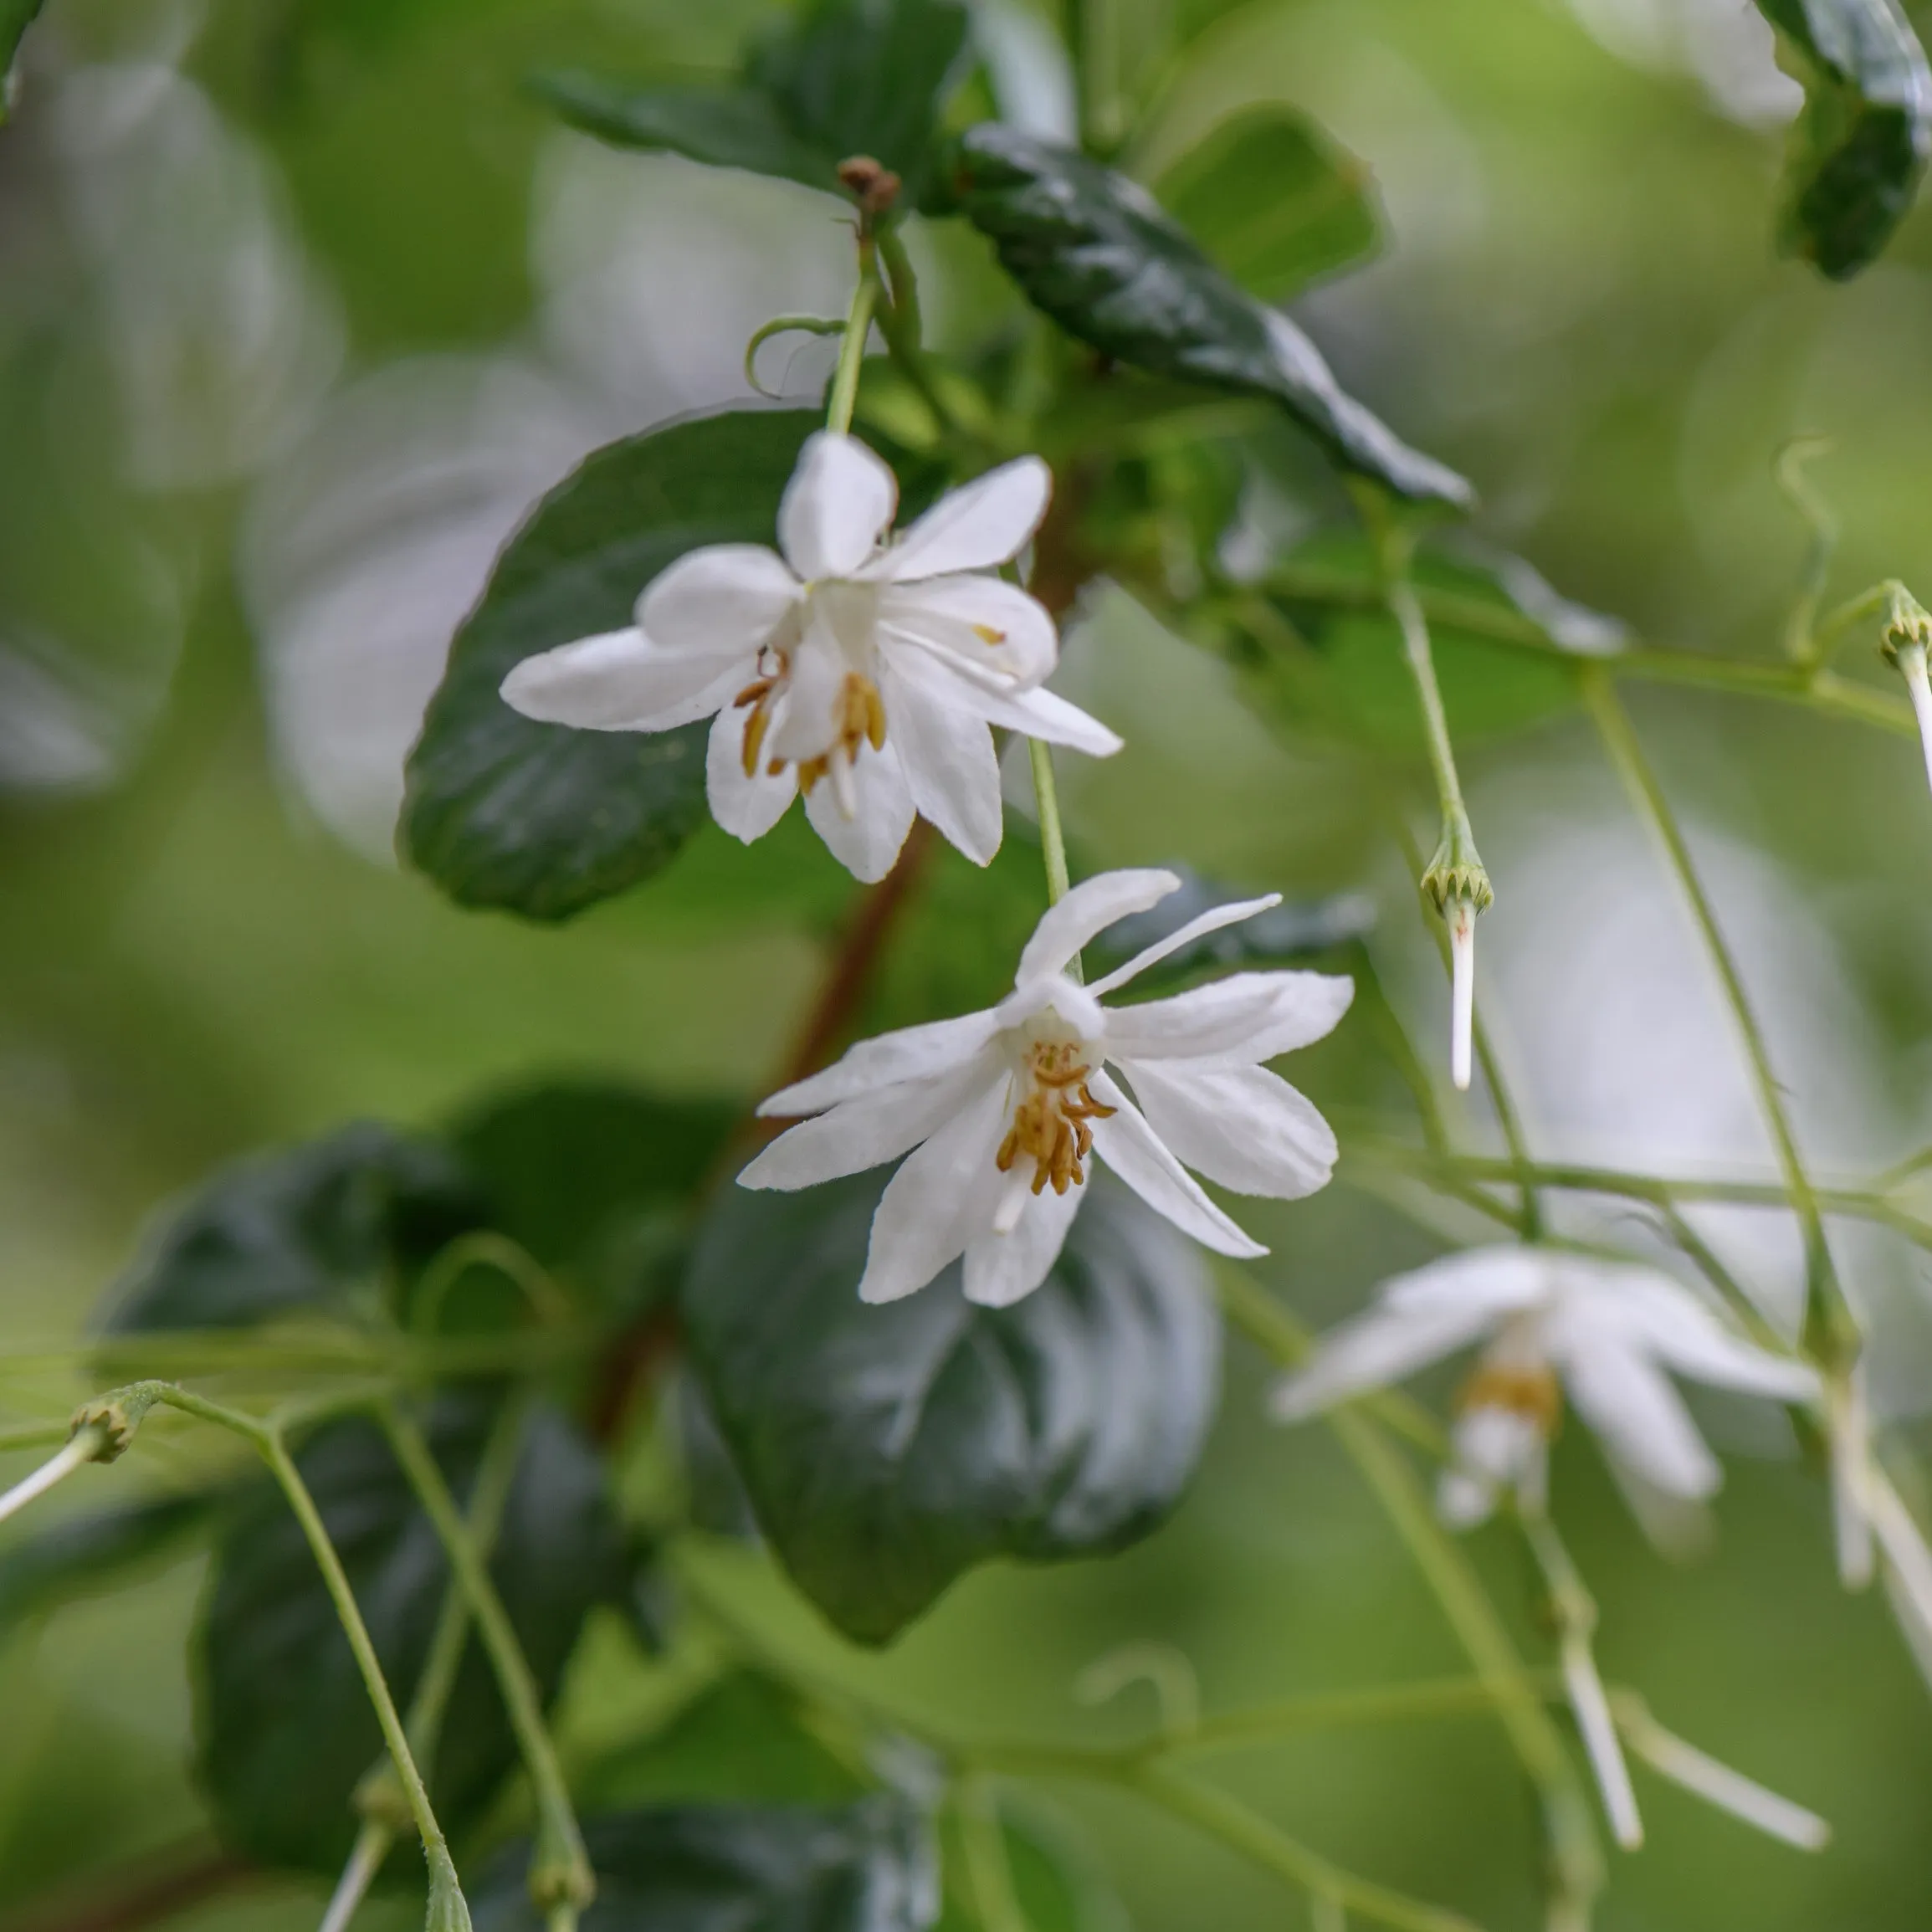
<point>301,303</point>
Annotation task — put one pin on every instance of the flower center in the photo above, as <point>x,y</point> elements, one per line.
<point>858,718</point>
<point>1050,1124</point>
<point>1528,1389</point>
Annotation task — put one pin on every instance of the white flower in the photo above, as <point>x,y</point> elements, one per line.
<point>1005,1107</point>
<point>861,672</point>
<point>1607,1331</point>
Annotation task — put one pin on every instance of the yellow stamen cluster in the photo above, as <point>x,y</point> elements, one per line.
<point>861,721</point>
<point>1530,1390</point>
<point>1050,1125</point>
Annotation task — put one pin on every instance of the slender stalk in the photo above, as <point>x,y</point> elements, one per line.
<point>1053,836</point>
<point>84,1447</point>
<point>561,1880</point>
<point>844,397</point>
<point>364,1861</point>
<point>989,1873</point>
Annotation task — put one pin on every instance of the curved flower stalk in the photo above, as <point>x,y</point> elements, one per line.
<point>1006,1108</point>
<point>861,672</point>
<point>1612,1333</point>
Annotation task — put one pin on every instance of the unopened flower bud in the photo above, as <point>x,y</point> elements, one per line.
<point>1906,640</point>
<point>1459,889</point>
<point>560,1869</point>
<point>113,1418</point>
<point>870,183</point>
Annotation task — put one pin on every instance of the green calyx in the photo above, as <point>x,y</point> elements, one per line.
<point>114,1417</point>
<point>1455,876</point>
<point>1908,625</point>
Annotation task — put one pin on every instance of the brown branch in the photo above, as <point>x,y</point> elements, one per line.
<point>143,1891</point>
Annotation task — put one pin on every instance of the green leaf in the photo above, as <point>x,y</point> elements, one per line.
<point>541,819</point>
<point>16,17</point>
<point>722,126</point>
<point>745,1738</point>
<point>593,1178</point>
<point>83,1556</point>
<point>1348,678</point>
<point>1095,251</point>
<point>1274,201</point>
<point>863,1868</point>
<point>1858,150</point>
<point>1056,1889</point>
<point>298,1230</point>
<point>284,1730</point>
<point>869,77</point>
<point>885,1450</point>
<point>1292,934</point>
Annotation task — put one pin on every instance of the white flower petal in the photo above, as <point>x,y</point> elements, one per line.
<point>1377,1348</point>
<point>726,599</point>
<point>1038,714</point>
<point>939,1200</point>
<point>1498,1281</point>
<point>986,629</point>
<point>1131,1148</point>
<point>837,504</point>
<point>1639,1415</point>
<point>986,523</point>
<point>1196,927</point>
<point>1669,1323</point>
<point>1092,906</point>
<point>1242,1127</point>
<point>745,807</point>
<point>868,842</point>
<point>1004,1269</point>
<point>1491,1449</point>
<point>808,725</point>
<point>950,764</point>
<point>910,1054</point>
<point>1307,1008</point>
<point>862,1132</point>
<point>1216,1021</point>
<point>620,681</point>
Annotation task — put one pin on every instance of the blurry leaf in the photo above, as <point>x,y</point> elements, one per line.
<point>1858,150</point>
<point>16,17</point>
<point>1352,680</point>
<point>1274,201</point>
<point>297,1230</point>
<point>741,1737</point>
<point>1095,251</point>
<point>84,1554</point>
<point>865,1867</point>
<point>849,77</point>
<point>887,1449</point>
<point>1055,1889</point>
<point>714,1498</point>
<point>592,1177</point>
<point>541,819</point>
<point>1291,934</point>
<point>284,1726</point>
<point>869,77</point>
<point>721,126</point>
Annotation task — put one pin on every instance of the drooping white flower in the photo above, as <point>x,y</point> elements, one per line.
<point>1611,1333</point>
<point>1003,1109</point>
<point>864,672</point>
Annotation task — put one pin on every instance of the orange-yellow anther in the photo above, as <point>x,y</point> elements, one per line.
<point>859,719</point>
<point>1529,1390</point>
<point>1050,1125</point>
<point>989,634</point>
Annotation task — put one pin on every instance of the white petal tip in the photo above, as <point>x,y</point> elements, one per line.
<point>1461,991</point>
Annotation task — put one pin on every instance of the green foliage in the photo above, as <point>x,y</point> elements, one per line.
<point>102,1550</point>
<point>1094,251</point>
<point>1273,200</point>
<point>1857,152</point>
<point>298,1232</point>
<point>861,1868</point>
<point>885,1450</point>
<point>541,819</point>
<point>1053,1887</point>
<point>850,77</point>
<point>284,1730</point>
<point>1293,933</point>
<point>16,17</point>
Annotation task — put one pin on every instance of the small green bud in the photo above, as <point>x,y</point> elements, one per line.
<point>448,1910</point>
<point>114,1417</point>
<point>1908,627</point>
<point>561,1878</point>
<point>1458,887</point>
<point>1456,874</point>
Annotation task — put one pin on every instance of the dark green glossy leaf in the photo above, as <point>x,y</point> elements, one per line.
<point>863,1867</point>
<point>744,1738</point>
<point>284,1730</point>
<point>594,1178</point>
<point>736,127</point>
<point>1293,933</point>
<point>83,1556</point>
<point>16,17</point>
<point>868,77</point>
<point>1273,200</point>
<point>298,1230</point>
<point>1857,152</point>
<point>1347,676</point>
<point>1095,251</point>
<point>885,1450</point>
<point>541,819</point>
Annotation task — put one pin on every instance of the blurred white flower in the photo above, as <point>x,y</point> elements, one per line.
<point>1004,1107</point>
<point>865,674</point>
<point>1612,1333</point>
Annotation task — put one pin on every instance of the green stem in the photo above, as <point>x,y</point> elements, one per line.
<point>561,1878</point>
<point>989,1873</point>
<point>852,351</point>
<point>1053,836</point>
<point>1830,1329</point>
